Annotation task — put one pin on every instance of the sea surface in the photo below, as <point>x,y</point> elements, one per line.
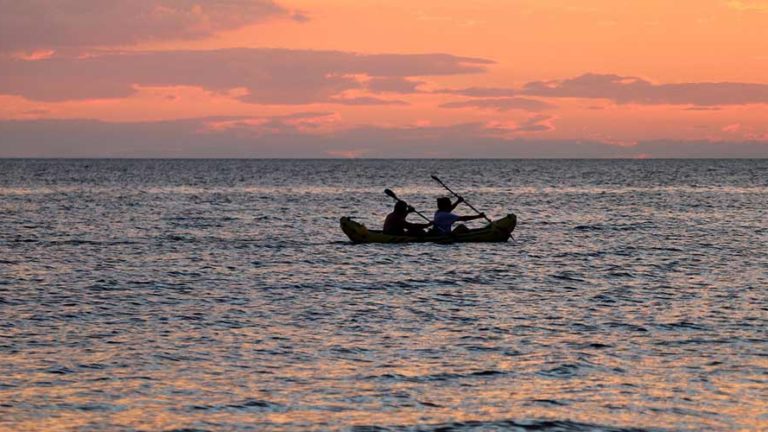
<point>221,295</point>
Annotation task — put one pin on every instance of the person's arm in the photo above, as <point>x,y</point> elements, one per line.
<point>410,225</point>
<point>469,218</point>
<point>458,201</point>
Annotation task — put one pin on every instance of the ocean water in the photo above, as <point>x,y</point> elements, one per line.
<point>217,295</point>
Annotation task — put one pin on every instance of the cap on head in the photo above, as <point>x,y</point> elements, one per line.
<point>444,203</point>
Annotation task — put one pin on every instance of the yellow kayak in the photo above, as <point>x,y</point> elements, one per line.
<point>497,231</point>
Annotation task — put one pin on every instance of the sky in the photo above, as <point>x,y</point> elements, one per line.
<point>375,78</point>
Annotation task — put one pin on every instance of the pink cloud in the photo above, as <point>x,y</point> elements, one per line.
<point>268,76</point>
<point>536,123</point>
<point>303,123</point>
<point>501,104</point>
<point>631,90</point>
<point>625,90</point>
<point>486,92</point>
<point>393,85</point>
<point>366,100</point>
<point>54,24</point>
<point>34,55</point>
<point>37,112</point>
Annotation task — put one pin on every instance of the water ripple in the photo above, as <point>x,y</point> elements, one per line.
<point>221,295</point>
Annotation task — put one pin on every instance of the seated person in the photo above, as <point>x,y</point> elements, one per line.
<point>395,223</point>
<point>444,218</point>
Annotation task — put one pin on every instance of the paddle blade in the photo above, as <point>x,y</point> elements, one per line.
<point>391,194</point>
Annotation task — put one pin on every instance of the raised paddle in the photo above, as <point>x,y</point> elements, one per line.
<point>392,194</point>
<point>434,177</point>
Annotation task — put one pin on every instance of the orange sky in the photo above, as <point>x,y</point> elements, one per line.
<point>613,72</point>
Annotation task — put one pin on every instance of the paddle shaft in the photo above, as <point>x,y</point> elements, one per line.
<point>392,194</point>
<point>459,196</point>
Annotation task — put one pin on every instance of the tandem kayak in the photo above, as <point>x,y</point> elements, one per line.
<point>497,231</point>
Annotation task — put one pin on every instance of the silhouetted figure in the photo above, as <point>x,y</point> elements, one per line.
<point>395,223</point>
<point>444,218</point>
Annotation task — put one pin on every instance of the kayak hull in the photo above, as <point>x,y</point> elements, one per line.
<point>497,231</point>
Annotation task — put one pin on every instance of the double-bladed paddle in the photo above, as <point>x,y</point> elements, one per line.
<point>434,177</point>
<point>392,194</point>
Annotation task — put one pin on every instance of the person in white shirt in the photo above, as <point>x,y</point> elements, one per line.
<point>444,218</point>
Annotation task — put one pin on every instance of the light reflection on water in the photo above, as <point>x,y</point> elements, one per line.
<point>220,295</point>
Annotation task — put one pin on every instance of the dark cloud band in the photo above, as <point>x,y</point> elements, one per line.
<point>57,24</point>
<point>270,76</point>
<point>501,104</point>
<point>287,136</point>
<point>627,90</point>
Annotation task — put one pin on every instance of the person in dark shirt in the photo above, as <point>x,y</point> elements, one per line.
<point>395,223</point>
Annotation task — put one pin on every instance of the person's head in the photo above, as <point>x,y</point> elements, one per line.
<point>444,204</point>
<point>401,207</point>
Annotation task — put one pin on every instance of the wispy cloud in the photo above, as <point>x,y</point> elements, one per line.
<point>748,5</point>
<point>501,104</point>
<point>303,122</point>
<point>489,92</point>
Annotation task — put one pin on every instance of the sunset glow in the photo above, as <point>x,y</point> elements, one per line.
<point>367,78</point>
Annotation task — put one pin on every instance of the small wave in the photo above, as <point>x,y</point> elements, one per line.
<point>74,242</point>
<point>60,370</point>
<point>589,228</point>
<point>593,345</point>
<point>248,404</point>
<point>567,276</point>
<point>187,430</point>
<point>621,274</point>
<point>694,341</point>
<point>550,402</point>
<point>604,298</point>
<point>24,240</point>
<point>515,425</point>
<point>346,350</point>
<point>369,429</point>
<point>179,238</point>
<point>481,348</point>
<point>562,371</point>
<point>631,327</point>
<point>682,325</point>
<point>445,376</point>
<point>93,366</point>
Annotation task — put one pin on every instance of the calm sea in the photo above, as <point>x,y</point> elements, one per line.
<point>218,295</point>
